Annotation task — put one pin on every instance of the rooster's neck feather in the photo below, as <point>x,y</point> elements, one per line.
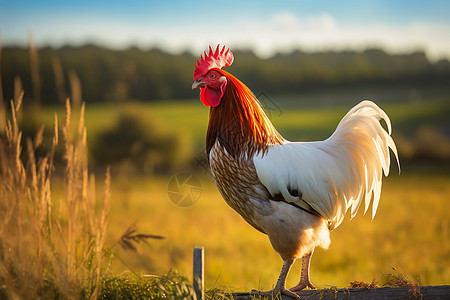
<point>239,123</point>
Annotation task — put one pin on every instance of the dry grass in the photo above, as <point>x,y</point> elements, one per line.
<point>53,232</point>
<point>131,237</point>
<point>52,244</point>
<point>364,285</point>
<point>49,246</point>
<point>397,280</point>
<point>34,71</point>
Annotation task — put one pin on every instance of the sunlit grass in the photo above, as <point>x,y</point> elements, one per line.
<point>410,232</point>
<point>49,247</point>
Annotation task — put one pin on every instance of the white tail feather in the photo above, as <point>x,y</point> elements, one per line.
<point>338,173</point>
<point>363,121</point>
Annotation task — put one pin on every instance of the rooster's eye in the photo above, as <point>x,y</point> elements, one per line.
<point>212,75</point>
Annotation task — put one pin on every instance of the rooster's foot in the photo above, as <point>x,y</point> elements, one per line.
<point>275,293</point>
<point>302,285</point>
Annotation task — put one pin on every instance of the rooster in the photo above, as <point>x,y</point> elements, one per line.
<point>295,192</point>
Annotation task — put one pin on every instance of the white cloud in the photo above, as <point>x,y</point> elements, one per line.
<point>284,20</point>
<point>285,31</point>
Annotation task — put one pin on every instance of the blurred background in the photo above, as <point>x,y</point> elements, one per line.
<point>132,63</point>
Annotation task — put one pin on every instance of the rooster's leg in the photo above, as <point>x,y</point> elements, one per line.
<point>280,287</point>
<point>304,277</point>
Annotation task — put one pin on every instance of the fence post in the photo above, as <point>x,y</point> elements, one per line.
<point>199,273</point>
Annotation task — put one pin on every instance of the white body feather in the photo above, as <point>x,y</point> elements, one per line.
<point>335,174</point>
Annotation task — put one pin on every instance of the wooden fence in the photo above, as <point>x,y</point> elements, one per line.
<point>426,292</point>
<point>441,292</point>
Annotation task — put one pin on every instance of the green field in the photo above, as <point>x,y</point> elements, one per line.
<point>297,118</point>
<point>410,231</point>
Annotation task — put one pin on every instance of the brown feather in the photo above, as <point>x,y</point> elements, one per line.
<point>239,123</point>
<point>236,181</point>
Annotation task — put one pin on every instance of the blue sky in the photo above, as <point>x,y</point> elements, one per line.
<point>263,26</point>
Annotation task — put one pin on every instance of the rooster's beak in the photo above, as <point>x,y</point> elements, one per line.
<point>198,84</point>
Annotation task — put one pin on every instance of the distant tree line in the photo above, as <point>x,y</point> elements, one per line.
<point>94,73</point>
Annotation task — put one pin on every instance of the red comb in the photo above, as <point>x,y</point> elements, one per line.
<point>217,59</point>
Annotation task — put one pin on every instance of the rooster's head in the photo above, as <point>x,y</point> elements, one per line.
<point>208,76</point>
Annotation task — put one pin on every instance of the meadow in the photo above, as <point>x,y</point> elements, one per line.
<point>66,235</point>
<point>410,231</point>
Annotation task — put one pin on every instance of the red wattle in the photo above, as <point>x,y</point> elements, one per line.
<point>210,97</point>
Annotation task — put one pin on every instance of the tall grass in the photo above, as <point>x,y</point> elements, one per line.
<point>52,243</point>
<point>49,247</point>
<point>59,79</point>
<point>54,247</point>
<point>34,71</point>
<point>2,104</point>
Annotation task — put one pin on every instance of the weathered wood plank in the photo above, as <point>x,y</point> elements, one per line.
<point>199,273</point>
<point>386,293</point>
